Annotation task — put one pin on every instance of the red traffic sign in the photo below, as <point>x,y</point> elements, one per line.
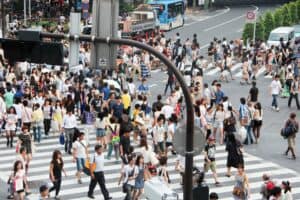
<point>251,15</point>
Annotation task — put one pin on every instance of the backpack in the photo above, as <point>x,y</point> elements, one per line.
<point>288,130</point>
<point>269,186</point>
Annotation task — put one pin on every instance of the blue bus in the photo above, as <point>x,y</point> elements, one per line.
<point>170,13</point>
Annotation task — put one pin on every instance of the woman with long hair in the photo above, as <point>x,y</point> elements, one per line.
<point>140,179</point>
<point>18,178</point>
<point>235,153</point>
<point>219,117</point>
<point>257,117</point>
<point>25,141</point>
<point>241,189</point>
<point>286,191</point>
<point>56,169</point>
<point>10,127</point>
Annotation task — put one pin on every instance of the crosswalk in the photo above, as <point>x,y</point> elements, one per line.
<point>39,172</point>
<point>236,70</point>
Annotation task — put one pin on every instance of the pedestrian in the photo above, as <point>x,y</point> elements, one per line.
<point>275,89</point>
<point>235,153</point>
<point>44,192</point>
<point>219,94</point>
<point>201,190</point>
<point>257,121</point>
<point>25,141</point>
<point>128,175</point>
<point>37,122</point>
<point>266,187</point>
<point>241,190</point>
<point>80,153</point>
<point>18,178</point>
<point>218,122</point>
<point>113,136</point>
<point>253,93</point>
<point>56,169</point>
<point>100,125</point>
<point>293,125</point>
<point>286,191</point>
<point>58,115</point>
<point>140,179</point>
<point>170,82</point>
<point>69,125</point>
<point>159,132</point>
<point>26,114</point>
<point>163,170</point>
<point>294,90</point>
<point>97,176</point>
<point>210,159</point>
<point>48,111</point>
<point>11,120</point>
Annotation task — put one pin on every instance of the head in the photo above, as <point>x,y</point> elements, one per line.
<point>213,196</point>
<point>56,155</point>
<point>98,149</point>
<point>240,169</point>
<point>293,116</point>
<point>139,160</point>
<point>44,191</point>
<point>25,129</point>
<point>17,166</point>
<point>285,185</point>
<point>243,101</point>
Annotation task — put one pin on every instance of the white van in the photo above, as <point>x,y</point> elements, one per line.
<point>287,33</point>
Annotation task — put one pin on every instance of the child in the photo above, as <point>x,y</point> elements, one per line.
<point>44,192</point>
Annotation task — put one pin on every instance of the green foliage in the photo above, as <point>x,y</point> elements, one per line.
<point>248,32</point>
<point>125,7</point>
<point>286,16</point>
<point>260,30</point>
<point>293,12</point>
<point>268,21</point>
<point>278,17</point>
<point>298,10</point>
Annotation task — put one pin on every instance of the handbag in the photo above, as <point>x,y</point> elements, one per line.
<point>61,139</point>
<point>90,166</point>
<point>18,147</point>
<point>237,191</point>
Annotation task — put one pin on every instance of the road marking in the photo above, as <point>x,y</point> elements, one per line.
<point>209,17</point>
<point>227,22</point>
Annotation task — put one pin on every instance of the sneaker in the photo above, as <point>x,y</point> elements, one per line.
<point>273,107</point>
<point>277,109</point>
<point>91,196</point>
<point>217,183</point>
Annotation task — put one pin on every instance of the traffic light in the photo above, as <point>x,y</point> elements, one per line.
<point>33,51</point>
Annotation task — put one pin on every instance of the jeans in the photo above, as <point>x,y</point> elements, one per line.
<point>274,101</point>
<point>110,149</point>
<point>69,134</point>
<point>37,133</point>
<point>250,136</point>
<point>295,95</point>
<point>47,125</point>
<point>128,191</point>
<point>99,178</point>
<point>169,84</point>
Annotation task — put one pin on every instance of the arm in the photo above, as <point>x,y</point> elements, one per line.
<point>51,173</point>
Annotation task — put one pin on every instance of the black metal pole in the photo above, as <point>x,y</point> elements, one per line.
<point>188,176</point>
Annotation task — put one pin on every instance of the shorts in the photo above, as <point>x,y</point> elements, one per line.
<point>100,132</point>
<point>212,166</point>
<point>80,164</point>
<point>218,124</point>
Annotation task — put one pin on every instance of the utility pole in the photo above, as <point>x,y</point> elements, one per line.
<point>25,17</point>
<point>29,9</point>
<point>104,24</point>
<point>75,18</point>
<point>3,18</point>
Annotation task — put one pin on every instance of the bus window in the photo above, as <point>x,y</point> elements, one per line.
<point>175,9</point>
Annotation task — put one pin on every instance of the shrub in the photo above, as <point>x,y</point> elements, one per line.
<point>248,32</point>
<point>268,23</point>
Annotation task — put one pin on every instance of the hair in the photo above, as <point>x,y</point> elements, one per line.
<point>163,160</point>
<point>137,161</point>
<point>55,157</point>
<point>287,186</point>
<point>243,100</point>
<point>16,166</point>
<point>213,196</point>
<point>231,138</point>
<point>97,147</point>
<point>293,115</point>
<point>143,143</point>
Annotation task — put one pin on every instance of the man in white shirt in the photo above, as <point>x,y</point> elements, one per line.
<point>98,174</point>
<point>69,125</point>
<point>79,155</point>
<point>275,88</point>
<point>159,132</point>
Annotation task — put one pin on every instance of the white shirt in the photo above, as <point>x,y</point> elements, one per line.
<point>80,148</point>
<point>18,108</point>
<point>170,133</point>
<point>69,121</point>
<point>167,110</point>
<point>129,171</point>
<point>99,160</point>
<point>275,87</point>
<point>159,134</point>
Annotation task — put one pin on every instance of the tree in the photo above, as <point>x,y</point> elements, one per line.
<point>248,32</point>
<point>286,16</point>
<point>260,29</point>
<point>268,21</point>
<point>298,10</point>
<point>293,12</point>
<point>278,18</point>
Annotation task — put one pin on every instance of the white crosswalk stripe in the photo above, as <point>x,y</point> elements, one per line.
<point>39,172</point>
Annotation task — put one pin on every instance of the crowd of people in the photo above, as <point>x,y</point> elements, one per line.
<point>133,126</point>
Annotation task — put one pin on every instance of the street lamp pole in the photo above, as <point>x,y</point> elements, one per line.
<point>2,18</point>
<point>188,176</point>
<point>25,17</point>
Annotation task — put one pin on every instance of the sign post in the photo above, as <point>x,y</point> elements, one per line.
<point>251,18</point>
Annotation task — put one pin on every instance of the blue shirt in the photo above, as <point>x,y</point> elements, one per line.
<point>106,92</point>
<point>219,96</point>
<point>118,110</point>
<point>143,89</point>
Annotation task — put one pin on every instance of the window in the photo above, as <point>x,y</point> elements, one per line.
<point>175,9</point>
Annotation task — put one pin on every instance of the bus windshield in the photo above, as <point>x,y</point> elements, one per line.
<point>175,9</point>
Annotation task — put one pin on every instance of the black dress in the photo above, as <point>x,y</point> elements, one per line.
<point>235,156</point>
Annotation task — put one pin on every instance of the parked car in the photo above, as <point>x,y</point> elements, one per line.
<point>282,33</point>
